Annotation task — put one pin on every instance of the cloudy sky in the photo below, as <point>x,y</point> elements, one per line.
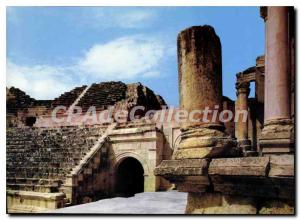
<point>50,50</point>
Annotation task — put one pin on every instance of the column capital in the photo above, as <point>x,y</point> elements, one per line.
<point>242,87</point>
<point>264,13</point>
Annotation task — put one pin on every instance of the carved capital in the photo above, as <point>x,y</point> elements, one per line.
<point>264,13</point>
<point>242,87</point>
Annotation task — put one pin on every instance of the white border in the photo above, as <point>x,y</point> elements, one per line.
<point>5,3</point>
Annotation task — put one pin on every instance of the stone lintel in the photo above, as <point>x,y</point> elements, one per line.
<point>246,76</point>
<point>189,175</point>
<point>184,167</point>
<point>135,130</point>
<point>243,166</point>
<point>132,139</point>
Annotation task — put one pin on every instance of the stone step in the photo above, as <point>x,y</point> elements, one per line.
<point>32,187</point>
<point>36,181</point>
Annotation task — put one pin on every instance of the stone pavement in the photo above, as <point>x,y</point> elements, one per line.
<point>171,202</point>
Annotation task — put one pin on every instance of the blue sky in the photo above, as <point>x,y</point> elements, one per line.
<point>52,49</point>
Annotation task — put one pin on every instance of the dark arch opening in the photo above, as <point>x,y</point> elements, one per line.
<point>129,178</point>
<point>30,121</point>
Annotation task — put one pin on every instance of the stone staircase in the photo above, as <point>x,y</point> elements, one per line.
<point>78,99</point>
<point>67,98</point>
<point>39,160</point>
<point>85,168</point>
<point>102,95</point>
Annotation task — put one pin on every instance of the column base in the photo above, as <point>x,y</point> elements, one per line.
<point>246,148</point>
<point>277,137</point>
<point>205,142</point>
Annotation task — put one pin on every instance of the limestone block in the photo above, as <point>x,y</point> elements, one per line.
<point>26,202</point>
<point>216,203</point>
<point>282,175</point>
<point>189,175</point>
<point>184,167</point>
<point>277,137</point>
<point>245,176</point>
<point>282,166</point>
<point>276,207</point>
<point>243,166</point>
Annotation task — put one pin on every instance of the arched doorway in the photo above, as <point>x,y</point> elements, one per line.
<point>129,177</point>
<point>29,121</point>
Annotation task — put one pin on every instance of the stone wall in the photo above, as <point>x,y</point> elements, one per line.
<point>144,143</point>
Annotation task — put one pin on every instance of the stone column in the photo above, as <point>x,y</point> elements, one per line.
<point>241,127</point>
<point>277,134</point>
<point>200,88</point>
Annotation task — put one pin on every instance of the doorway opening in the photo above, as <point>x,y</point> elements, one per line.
<point>129,177</point>
<point>30,121</point>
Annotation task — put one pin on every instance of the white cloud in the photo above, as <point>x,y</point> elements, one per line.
<point>118,17</point>
<point>40,82</point>
<point>121,59</point>
<point>135,19</point>
<point>124,58</point>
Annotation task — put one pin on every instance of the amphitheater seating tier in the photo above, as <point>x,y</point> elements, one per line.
<point>68,98</point>
<point>38,159</point>
<point>18,101</point>
<point>102,95</point>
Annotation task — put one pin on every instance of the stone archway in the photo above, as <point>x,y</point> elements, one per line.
<point>129,177</point>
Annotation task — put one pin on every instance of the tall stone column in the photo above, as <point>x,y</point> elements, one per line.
<point>277,134</point>
<point>241,127</point>
<point>200,88</point>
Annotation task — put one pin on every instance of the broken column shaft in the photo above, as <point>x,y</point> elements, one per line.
<point>200,87</point>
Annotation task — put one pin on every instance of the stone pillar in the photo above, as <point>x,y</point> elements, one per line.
<point>241,127</point>
<point>277,134</point>
<point>200,88</point>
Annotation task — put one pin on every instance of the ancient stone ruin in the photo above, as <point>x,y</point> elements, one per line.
<point>260,178</point>
<point>242,167</point>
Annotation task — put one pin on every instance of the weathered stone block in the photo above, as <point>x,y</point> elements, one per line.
<point>282,166</point>
<point>184,167</point>
<point>216,203</point>
<point>277,207</point>
<point>244,166</point>
<point>27,202</point>
<point>189,175</point>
